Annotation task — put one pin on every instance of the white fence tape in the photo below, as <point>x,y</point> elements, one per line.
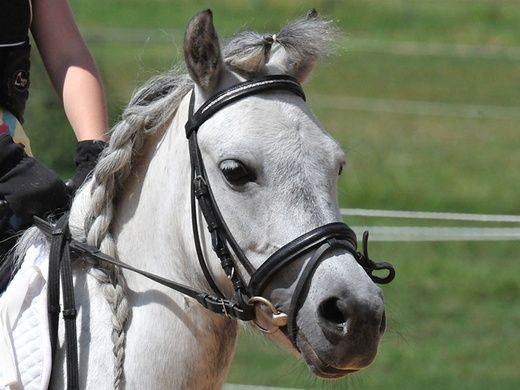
<point>421,233</point>
<point>431,215</point>
<point>436,233</point>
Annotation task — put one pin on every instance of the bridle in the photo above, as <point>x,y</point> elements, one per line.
<point>322,240</point>
<point>247,296</point>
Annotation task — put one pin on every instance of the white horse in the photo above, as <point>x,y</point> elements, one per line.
<point>273,171</point>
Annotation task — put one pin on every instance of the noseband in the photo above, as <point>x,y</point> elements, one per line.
<point>322,240</point>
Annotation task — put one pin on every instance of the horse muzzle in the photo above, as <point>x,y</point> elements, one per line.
<point>317,243</point>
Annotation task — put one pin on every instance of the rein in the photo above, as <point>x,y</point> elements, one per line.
<point>94,256</point>
<point>248,296</point>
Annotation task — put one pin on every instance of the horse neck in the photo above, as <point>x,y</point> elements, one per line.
<point>152,225</point>
<point>169,335</point>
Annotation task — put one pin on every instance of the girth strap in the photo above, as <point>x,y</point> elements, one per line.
<point>60,267</point>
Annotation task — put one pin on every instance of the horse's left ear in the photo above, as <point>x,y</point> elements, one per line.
<point>202,52</point>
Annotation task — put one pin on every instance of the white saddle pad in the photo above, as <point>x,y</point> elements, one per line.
<point>25,350</point>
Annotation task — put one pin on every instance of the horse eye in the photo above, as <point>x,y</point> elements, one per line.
<point>236,173</point>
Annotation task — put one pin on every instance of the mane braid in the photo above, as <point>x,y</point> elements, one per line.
<point>151,107</point>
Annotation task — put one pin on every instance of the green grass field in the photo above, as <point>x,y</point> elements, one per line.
<point>453,310</point>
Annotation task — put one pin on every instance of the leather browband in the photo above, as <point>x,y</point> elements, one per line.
<point>239,91</point>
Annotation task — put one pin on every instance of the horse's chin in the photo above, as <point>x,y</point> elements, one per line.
<point>318,366</point>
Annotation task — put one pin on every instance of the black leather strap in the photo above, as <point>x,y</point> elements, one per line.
<point>298,247</point>
<point>60,266</point>
<point>53,284</point>
<point>240,91</point>
<point>198,247</point>
<point>299,294</point>
<point>95,256</point>
<point>221,237</point>
<point>370,266</point>
<point>69,318</point>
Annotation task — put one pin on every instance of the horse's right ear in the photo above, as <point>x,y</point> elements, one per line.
<point>202,52</point>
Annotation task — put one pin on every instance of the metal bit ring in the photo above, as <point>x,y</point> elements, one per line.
<point>278,318</point>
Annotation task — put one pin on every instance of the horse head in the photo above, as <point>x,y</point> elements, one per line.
<point>263,173</point>
<point>273,171</point>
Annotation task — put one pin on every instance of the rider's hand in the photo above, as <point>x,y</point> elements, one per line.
<point>87,153</point>
<point>28,186</point>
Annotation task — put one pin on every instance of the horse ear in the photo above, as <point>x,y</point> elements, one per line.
<point>202,52</point>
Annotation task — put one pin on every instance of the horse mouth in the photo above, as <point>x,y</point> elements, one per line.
<point>317,365</point>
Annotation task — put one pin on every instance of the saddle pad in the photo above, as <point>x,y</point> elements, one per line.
<point>25,351</point>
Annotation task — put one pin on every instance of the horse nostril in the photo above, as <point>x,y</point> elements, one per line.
<point>330,311</point>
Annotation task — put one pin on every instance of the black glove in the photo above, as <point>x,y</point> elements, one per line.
<point>29,187</point>
<point>87,153</point>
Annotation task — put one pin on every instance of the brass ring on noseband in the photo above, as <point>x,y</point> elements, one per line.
<point>278,318</point>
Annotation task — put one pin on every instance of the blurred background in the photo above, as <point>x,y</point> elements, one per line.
<point>424,97</point>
